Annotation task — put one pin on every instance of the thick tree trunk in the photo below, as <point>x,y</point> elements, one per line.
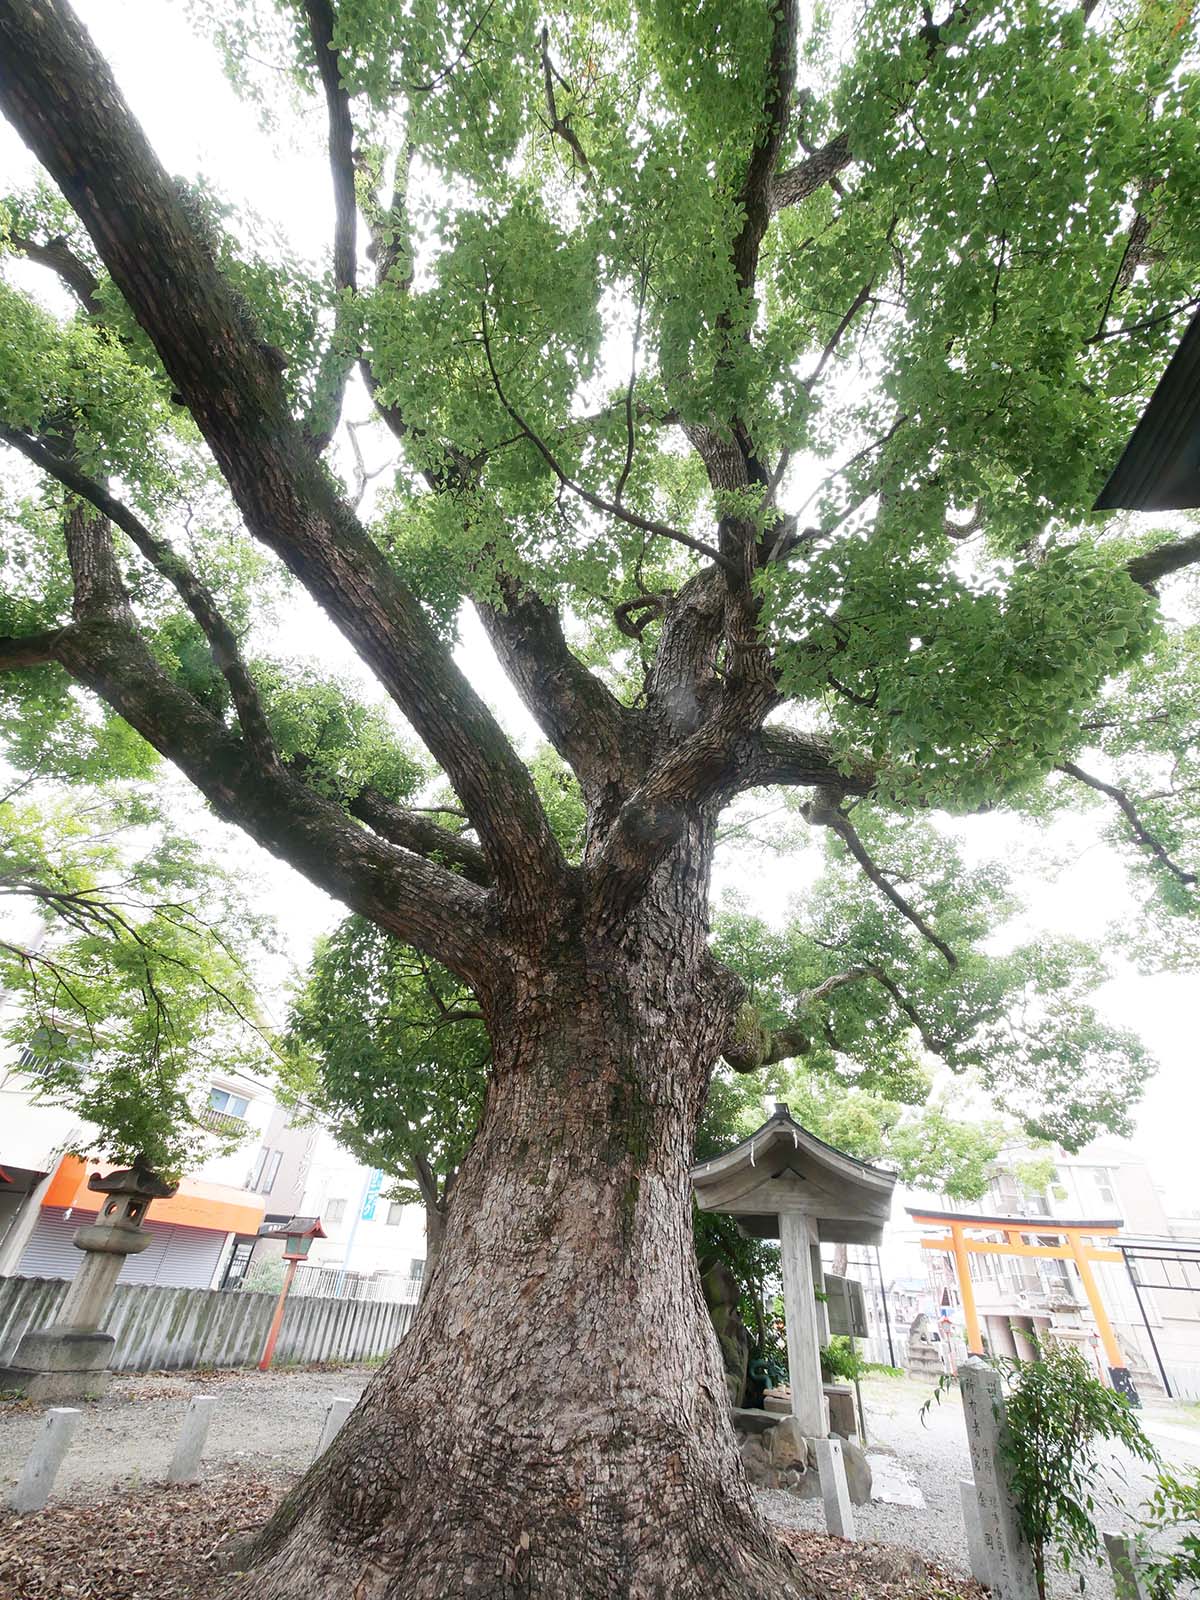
<point>556,1423</point>
<point>435,1234</point>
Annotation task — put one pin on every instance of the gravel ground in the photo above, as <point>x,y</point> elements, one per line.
<point>936,1455</point>
<point>265,1422</point>
<point>268,1424</point>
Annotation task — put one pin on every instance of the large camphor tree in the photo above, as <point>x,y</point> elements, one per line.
<point>753,373</point>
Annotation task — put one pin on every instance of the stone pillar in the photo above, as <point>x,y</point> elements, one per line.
<point>981,1569</point>
<point>1123,1560</point>
<point>49,1448</point>
<point>1008,1555</point>
<point>185,1463</point>
<point>797,1233</point>
<point>336,1412</point>
<point>835,1492</point>
<point>69,1360</point>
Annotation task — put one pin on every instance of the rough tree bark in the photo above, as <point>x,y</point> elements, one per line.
<point>556,1422</point>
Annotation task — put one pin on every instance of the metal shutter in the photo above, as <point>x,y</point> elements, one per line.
<point>181,1258</point>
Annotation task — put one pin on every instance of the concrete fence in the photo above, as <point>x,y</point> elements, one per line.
<point>158,1327</point>
<point>1185,1380</point>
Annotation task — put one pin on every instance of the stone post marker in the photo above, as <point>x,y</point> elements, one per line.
<point>981,1569</point>
<point>1123,1560</point>
<point>69,1360</point>
<point>185,1463</point>
<point>839,1516</point>
<point>1008,1556</point>
<point>335,1416</point>
<point>45,1458</point>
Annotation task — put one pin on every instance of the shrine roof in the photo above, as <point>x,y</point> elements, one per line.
<point>782,1167</point>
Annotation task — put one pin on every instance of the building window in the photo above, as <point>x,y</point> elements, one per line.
<point>395,1214</point>
<point>1106,1186</point>
<point>233,1105</point>
<point>40,1052</point>
<point>239,1261</point>
<point>265,1171</point>
<point>335,1212</point>
<point>418,1270</point>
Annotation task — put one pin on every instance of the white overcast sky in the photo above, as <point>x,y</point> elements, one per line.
<point>197,125</point>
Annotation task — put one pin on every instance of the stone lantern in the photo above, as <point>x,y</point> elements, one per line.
<point>69,1360</point>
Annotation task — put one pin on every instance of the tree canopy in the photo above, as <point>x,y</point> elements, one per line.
<point>847,406</point>
<point>125,962</point>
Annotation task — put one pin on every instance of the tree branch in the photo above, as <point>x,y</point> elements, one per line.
<point>765,1047</point>
<point>609,507</point>
<point>823,812</point>
<point>420,902</point>
<point>420,835</point>
<point>799,760</point>
<point>60,96</point>
<point>592,731</point>
<point>759,186</point>
<point>559,125</point>
<point>1147,569</point>
<point>1136,826</point>
<point>61,259</point>
<point>167,561</point>
<point>794,184</point>
<point>336,364</point>
<point>33,650</point>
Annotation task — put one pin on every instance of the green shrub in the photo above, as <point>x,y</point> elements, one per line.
<point>840,1360</point>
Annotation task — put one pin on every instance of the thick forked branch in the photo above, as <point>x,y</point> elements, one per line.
<point>796,183</point>
<point>417,900</point>
<point>823,811</point>
<point>1137,827</point>
<point>231,384</point>
<point>170,564</point>
<point>589,727</point>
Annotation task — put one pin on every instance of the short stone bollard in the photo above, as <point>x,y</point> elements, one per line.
<point>339,1409</point>
<point>1008,1555</point>
<point>185,1463</point>
<point>49,1448</point>
<point>839,1515</point>
<point>981,1569</point>
<point>1122,1558</point>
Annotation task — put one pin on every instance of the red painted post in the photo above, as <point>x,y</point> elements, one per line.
<point>277,1319</point>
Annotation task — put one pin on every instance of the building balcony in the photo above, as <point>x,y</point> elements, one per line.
<point>222,1122</point>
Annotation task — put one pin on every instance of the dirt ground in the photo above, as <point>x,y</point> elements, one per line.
<point>264,1422</point>
<point>265,1430</point>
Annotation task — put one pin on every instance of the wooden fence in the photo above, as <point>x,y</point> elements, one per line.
<point>157,1327</point>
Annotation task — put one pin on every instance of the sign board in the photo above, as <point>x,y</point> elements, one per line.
<point>847,1312</point>
<point>371,1194</point>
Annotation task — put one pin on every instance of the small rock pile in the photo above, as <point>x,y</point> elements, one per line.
<point>776,1455</point>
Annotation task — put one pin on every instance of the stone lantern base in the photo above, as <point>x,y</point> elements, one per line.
<point>59,1364</point>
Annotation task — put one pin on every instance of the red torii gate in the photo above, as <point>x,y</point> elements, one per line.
<point>1077,1242</point>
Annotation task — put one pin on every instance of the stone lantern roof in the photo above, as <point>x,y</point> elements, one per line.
<point>783,1168</point>
<point>138,1182</point>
